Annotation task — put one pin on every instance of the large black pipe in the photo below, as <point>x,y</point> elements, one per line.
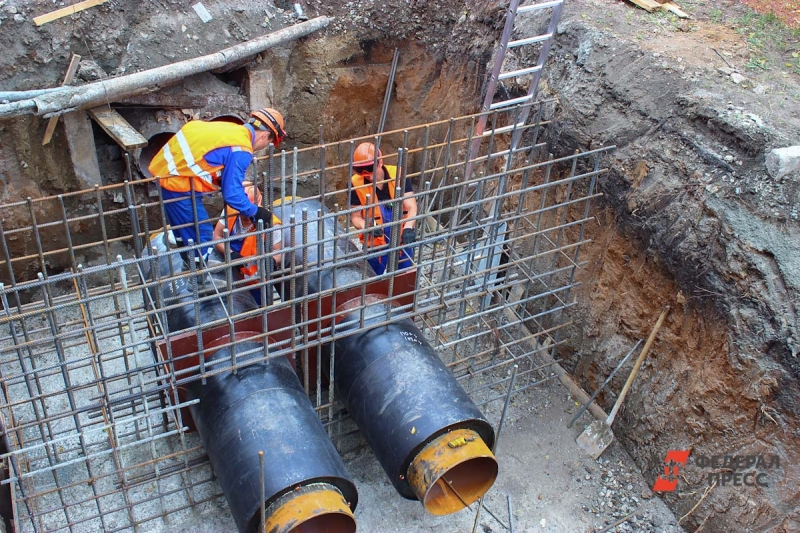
<point>263,407</point>
<point>430,438</point>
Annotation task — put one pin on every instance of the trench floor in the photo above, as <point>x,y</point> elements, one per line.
<point>554,486</point>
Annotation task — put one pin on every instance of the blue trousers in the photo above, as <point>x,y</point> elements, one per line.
<point>180,213</point>
<point>381,262</point>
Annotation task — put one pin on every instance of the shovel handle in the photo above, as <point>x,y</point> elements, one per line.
<point>639,361</point>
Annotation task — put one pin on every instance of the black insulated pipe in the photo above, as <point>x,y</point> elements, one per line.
<point>262,407</point>
<point>431,439</point>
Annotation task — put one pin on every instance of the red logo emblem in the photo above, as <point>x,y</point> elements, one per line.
<point>668,481</point>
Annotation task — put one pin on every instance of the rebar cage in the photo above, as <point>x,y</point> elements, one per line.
<point>94,433</point>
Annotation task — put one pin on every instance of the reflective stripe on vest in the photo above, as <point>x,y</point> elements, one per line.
<point>183,157</point>
<point>249,243</point>
<point>364,188</point>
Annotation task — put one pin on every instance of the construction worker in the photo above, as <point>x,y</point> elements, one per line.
<point>247,245</point>
<point>368,172</point>
<point>212,156</point>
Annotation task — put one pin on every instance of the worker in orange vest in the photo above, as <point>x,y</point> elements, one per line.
<point>213,156</point>
<point>368,171</point>
<point>247,245</point>
<point>242,226</point>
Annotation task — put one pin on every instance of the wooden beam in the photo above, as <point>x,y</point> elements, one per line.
<point>68,77</point>
<point>65,11</point>
<point>82,150</point>
<point>673,7</point>
<point>118,128</point>
<point>647,5</point>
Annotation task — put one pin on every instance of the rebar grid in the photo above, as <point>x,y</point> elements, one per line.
<point>96,434</point>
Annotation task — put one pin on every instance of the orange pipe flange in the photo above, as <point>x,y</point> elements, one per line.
<point>452,471</point>
<point>315,507</point>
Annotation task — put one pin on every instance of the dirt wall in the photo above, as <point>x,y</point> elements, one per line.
<point>335,79</point>
<point>677,227</point>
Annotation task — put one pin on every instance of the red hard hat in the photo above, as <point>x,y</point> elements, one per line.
<point>269,119</point>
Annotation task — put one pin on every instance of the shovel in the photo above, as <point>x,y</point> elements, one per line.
<point>598,435</point>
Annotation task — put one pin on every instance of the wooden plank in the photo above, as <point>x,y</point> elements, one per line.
<point>647,5</point>
<point>674,8</point>
<point>82,150</point>
<point>65,11</point>
<point>118,128</point>
<point>68,77</point>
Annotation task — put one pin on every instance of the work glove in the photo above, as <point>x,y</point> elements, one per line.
<point>235,255</point>
<point>376,232</point>
<point>263,214</point>
<point>275,267</point>
<point>409,237</point>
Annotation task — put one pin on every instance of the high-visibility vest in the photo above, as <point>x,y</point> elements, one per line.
<point>183,157</point>
<point>364,188</point>
<point>249,242</point>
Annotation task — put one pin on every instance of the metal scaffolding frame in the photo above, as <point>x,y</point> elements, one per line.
<point>96,436</point>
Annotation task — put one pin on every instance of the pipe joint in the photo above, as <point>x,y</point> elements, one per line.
<point>452,471</point>
<point>315,507</point>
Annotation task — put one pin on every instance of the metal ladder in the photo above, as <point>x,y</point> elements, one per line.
<point>494,236</point>
<point>498,74</point>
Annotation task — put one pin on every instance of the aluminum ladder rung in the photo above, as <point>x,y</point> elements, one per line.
<point>503,129</point>
<point>534,7</point>
<point>529,40</point>
<point>506,42</point>
<point>513,101</point>
<point>520,72</point>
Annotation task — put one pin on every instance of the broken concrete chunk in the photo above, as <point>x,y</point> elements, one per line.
<point>756,119</point>
<point>298,11</point>
<point>202,12</point>
<point>783,161</point>
<point>88,70</point>
<point>737,78</point>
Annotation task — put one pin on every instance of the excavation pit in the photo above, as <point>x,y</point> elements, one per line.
<point>524,258</point>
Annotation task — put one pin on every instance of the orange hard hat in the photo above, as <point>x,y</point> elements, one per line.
<point>270,119</point>
<point>364,156</point>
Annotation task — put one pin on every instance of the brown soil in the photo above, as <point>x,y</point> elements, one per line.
<point>692,221</point>
<point>788,10</point>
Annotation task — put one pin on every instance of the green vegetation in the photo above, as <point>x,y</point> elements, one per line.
<point>794,63</point>
<point>757,62</point>
<point>659,16</point>
<point>765,33</point>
